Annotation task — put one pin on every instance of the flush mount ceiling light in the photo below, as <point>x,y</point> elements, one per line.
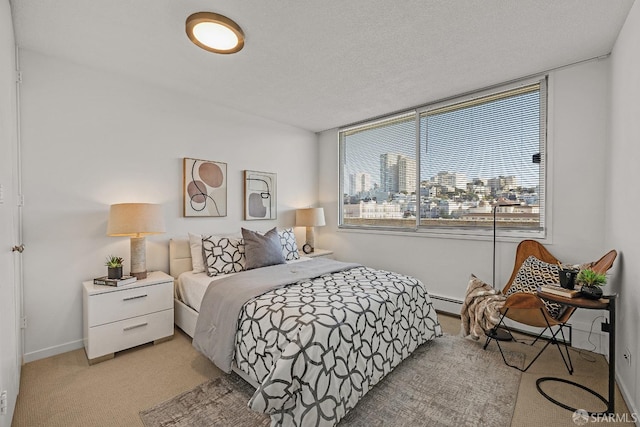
<point>215,33</point>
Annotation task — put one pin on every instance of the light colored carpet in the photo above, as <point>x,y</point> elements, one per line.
<point>64,391</point>
<point>446,382</point>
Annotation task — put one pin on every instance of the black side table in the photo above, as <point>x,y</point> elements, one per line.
<point>608,303</point>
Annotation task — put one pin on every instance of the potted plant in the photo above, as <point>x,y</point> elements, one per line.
<point>591,282</point>
<point>114,267</point>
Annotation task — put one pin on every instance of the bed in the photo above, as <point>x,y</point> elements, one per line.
<point>313,344</point>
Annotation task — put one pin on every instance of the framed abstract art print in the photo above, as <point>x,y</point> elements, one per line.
<point>204,187</point>
<point>260,195</point>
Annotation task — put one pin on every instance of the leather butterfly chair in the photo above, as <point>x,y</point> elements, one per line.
<point>528,308</point>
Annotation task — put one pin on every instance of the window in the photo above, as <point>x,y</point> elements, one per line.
<point>454,167</point>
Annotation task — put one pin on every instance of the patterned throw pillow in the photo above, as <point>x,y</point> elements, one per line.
<point>533,273</point>
<point>223,255</point>
<point>289,245</point>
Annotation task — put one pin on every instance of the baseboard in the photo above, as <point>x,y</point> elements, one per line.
<point>446,304</point>
<point>580,330</point>
<point>52,351</point>
<point>628,398</point>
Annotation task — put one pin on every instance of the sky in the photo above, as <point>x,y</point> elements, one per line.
<point>493,139</point>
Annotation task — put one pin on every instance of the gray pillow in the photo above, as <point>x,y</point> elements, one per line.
<point>262,250</point>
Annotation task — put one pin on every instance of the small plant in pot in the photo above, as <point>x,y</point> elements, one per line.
<point>114,267</point>
<point>591,282</point>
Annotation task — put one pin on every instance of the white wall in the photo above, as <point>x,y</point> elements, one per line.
<point>577,129</point>
<point>91,139</point>
<point>623,202</point>
<point>10,347</point>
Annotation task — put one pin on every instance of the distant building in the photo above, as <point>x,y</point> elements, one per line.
<point>389,172</point>
<point>360,184</point>
<point>502,183</point>
<point>373,210</point>
<point>397,173</point>
<point>406,175</point>
<point>451,180</point>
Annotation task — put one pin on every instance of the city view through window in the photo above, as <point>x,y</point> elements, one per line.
<point>473,159</point>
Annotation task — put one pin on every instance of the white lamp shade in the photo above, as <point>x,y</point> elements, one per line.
<point>310,217</point>
<point>135,219</point>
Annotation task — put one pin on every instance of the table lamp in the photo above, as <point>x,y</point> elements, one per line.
<point>136,220</point>
<point>310,218</point>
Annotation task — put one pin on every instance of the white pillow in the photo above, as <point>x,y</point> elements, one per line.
<point>197,259</point>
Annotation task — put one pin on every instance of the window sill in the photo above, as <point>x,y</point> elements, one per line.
<point>502,236</point>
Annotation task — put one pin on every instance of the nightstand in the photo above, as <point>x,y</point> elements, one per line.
<point>318,253</point>
<point>118,318</point>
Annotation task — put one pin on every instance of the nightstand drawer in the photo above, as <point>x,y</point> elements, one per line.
<point>128,333</point>
<point>127,303</point>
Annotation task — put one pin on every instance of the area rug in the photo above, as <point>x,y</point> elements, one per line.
<point>449,381</point>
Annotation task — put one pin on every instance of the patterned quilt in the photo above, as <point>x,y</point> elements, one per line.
<point>318,345</point>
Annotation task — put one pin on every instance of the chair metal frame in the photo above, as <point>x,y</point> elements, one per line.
<point>553,340</point>
<point>528,308</point>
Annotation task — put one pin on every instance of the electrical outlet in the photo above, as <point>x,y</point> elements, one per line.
<point>627,356</point>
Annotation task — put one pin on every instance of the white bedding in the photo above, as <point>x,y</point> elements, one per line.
<point>192,286</point>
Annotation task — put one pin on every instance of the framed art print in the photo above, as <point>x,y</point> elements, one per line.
<point>259,195</point>
<point>204,187</point>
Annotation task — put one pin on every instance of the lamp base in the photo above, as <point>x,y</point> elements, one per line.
<point>140,275</point>
<point>311,238</point>
<point>138,258</point>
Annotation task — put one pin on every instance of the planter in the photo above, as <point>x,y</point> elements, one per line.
<point>114,272</point>
<point>591,292</point>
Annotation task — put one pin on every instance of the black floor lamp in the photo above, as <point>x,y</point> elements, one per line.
<point>497,333</point>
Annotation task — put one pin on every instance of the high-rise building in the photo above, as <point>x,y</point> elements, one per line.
<point>389,172</point>
<point>406,174</point>
<point>397,173</point>
<point>359,183</point>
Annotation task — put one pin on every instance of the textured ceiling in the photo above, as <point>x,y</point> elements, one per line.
<point>326,63</point>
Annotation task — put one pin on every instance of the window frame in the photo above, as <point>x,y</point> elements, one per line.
<point>458,232</point>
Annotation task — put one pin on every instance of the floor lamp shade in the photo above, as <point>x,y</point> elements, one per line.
<point>310,218</point>
<point>136,220</point>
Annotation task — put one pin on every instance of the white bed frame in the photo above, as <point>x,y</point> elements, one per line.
<point>185,316</point>
<point>179,262</point>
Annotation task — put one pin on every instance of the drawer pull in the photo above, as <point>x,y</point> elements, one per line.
<point>128,328</point>
<point>136,297</point>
